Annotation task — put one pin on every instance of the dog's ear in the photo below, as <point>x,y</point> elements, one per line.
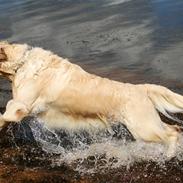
<point>3,56</point>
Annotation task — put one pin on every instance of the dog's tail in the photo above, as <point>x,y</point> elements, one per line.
<point>165,101</point>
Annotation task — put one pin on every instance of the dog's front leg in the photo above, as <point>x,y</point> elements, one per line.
<point>24,95</point>
<point>21,104</point>
<point>15,112</point>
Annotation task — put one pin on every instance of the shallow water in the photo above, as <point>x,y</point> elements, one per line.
<point>133,41</point>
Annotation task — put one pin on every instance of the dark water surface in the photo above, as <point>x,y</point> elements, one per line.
<point>127,40</point>
<point>133,41</point>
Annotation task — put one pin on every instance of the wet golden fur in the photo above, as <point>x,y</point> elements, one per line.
<point>63,95</point>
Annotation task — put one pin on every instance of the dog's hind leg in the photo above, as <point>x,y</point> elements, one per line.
<point>172,131</point>
<point>144,122</point>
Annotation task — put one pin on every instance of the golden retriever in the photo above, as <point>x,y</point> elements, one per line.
<point>63,95</point>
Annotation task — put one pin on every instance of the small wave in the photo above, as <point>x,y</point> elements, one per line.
<point>116,2</point>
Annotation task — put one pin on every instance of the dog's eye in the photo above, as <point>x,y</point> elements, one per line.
<point>1,50</point>
<point>3,56</point>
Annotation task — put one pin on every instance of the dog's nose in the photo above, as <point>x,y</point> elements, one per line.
<point>3,56</point>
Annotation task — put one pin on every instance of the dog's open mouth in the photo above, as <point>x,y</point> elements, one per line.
<point>5,74</point>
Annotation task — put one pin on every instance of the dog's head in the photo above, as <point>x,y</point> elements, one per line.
<point>11,57</point>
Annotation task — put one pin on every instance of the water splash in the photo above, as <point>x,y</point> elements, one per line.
<point>90,152</point>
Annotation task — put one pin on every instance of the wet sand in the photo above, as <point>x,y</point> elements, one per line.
<point>133,41</point>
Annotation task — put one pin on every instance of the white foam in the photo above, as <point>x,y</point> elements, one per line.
<point>101,153</point>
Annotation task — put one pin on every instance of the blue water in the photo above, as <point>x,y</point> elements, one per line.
<point>128,40</point>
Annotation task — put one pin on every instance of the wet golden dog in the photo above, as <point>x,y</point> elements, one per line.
<point>63,95</point>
